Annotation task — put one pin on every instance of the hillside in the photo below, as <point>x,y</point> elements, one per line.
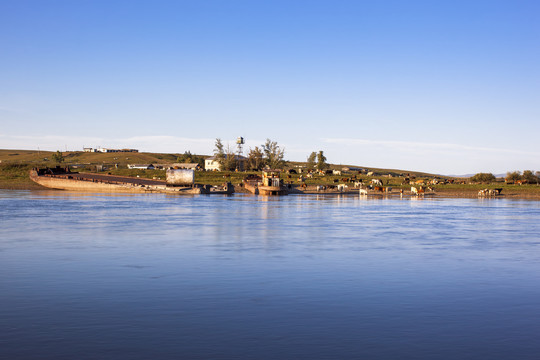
<point>44,158</point>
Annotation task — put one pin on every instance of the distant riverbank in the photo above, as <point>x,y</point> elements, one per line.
<point>16,177</point>
<point>530,192</point>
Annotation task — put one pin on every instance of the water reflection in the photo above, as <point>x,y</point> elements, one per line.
<point>314,277</point>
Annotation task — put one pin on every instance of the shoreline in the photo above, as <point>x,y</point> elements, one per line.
<point>439,193</point>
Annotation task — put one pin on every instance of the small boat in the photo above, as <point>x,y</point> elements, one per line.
<point>269,184</point>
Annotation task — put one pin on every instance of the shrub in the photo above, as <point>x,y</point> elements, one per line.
<point>483,177</point>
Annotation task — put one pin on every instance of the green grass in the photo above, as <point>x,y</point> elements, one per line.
<point>15,165</point>
<point>16,176</point>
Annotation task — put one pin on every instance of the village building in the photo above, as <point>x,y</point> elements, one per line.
<point>141,166</point>
<point>211,164</point>
<point>190,166</point>
<point>105,150</point>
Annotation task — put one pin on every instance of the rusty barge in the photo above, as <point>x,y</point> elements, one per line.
<point>63,179</point>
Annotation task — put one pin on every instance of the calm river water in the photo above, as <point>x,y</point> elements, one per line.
<point>85,276</point>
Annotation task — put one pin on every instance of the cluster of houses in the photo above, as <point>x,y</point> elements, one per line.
<point>105,150</point>
<point>210,164</point>
<point>189,166</point>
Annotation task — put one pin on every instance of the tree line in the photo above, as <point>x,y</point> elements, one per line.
<point>269,154</point>
<point>511,176</point>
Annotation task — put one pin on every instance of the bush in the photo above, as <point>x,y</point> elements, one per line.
<point>483,178</point>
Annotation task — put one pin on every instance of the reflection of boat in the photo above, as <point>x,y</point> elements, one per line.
<point>269,184</point>
<point>64,179</point>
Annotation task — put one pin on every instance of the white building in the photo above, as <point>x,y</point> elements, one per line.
<point>210,164</point>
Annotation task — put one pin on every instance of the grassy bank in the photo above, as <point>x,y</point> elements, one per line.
<point>16,164</point>
<point>15,177</point>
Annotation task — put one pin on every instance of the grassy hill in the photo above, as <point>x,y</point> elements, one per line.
<point>15,165</point>
<point>44,158</point>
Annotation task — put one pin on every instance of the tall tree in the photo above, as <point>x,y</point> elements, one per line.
<point>312,160</point>
<point>273,154</point>
<point>230,162</point>
<point>255,158</point>
<point>529,176</point>
<point>321,161</point>
<point>513,176</point>
<point>219,153</point>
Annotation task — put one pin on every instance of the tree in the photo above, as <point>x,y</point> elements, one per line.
<point>513,176</point>
<point>483,177</point>
<point>229,162</point>
<point>188,157</point>
<point>255,158</point>
<point>529,176</point>
<point>219,153</point>
<point>273,154</point>
<point>58,157</point>
<point>311,160</point>
<point>321,161</point>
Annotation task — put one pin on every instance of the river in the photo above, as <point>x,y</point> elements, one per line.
<point>94,276</point>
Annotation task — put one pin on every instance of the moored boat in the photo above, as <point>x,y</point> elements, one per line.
<point>270,184</point>
<point>63,179</point>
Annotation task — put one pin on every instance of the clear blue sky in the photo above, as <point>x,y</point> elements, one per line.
<point>450,87</point>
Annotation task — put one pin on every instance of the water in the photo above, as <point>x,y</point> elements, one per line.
<point>243,277</point>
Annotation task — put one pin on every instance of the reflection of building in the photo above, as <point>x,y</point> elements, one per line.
<point>211,164</point>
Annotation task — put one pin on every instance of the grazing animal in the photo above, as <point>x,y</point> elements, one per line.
<point>342,187</point>
<point>376,182</point>
<point>363,192</point>
<point>414,190</point>
<point>378,188</point>
<point>357,184</point>
<point>321,187</point>
<point>336,172</point>
<point>490,192</point>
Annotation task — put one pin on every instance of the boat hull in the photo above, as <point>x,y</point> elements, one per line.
<point>116,184</point>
